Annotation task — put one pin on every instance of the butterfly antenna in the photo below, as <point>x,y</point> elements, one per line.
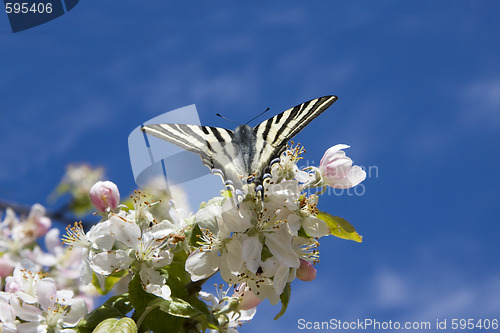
<point>219,115</point>
<point>257,116</point>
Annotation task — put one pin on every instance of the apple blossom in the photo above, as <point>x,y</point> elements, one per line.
<point>104,195</point>
<point>337,170</point>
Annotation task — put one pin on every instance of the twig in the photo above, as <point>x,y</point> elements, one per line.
<point>59,215</point>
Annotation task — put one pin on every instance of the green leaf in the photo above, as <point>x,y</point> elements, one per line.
<point>340,227</point>
<point>153,319</point>
<point>175,307</point>
<point>109,283</point>
<point>285,298</point>
<point>114,307</point>
<point>113,325</point>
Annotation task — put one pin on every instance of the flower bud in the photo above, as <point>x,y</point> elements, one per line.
<point>337,169</point>
<point>306,271</point>
<point>104,195</point>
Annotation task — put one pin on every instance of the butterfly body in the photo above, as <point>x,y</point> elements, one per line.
<point>242,156</point>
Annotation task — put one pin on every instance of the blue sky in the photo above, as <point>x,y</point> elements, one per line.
<point>419,98</point>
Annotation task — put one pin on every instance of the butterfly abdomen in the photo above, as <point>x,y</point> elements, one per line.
<point>244,138</point>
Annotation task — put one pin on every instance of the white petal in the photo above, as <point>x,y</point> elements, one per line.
<point>77,311</point>
<point>236,220</point>
<point>280,278</point>
<point>27,312</point>
<point>355,176</point>
<point>53,241</point>
<point>47,293</point>
<point>31,327</point>
<point>293,222</point>
<point>251,252</point>
<point>154,282</point>
<point>315,227</point>
<point>106,263</point>
<point>333,152</point>
<point>280,245</point>
<point>202,264</point>
<point>126,232</point>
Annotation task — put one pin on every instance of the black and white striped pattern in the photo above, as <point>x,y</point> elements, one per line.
<point>244,154</point>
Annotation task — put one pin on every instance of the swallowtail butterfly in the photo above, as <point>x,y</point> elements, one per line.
<point>244,155</point>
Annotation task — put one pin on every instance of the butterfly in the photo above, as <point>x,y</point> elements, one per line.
<point>242,156</point>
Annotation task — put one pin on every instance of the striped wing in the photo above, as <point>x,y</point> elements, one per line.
<point>214,145</point>
<point>273,134</point>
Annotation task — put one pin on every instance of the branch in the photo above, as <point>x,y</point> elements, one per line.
<point>59,215</point>
<point>194,287</point>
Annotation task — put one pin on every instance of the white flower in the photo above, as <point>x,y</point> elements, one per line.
<point>54,310</point>
<point>226,309</point>
<point>337,170</point>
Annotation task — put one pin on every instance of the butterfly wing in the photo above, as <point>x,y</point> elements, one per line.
<point>213,144</point>
<point>272,134</point>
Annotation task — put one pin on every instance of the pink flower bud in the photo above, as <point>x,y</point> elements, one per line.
<point>306,271</point>
<point>337,169</point>
<point>248,298</point>
<point>104,195</point>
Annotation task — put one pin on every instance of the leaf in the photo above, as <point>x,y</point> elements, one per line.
<point>113,325</point>
<point>285,298</point>
<point>175,307</point>
<point>340,227</point>
<point>114,307</point>
<point>109,283</point>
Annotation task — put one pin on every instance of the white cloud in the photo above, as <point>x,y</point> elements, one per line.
<point>481,104</point>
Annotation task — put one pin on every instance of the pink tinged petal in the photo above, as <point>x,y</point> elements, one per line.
<point>251,252</point>
<point>202,264</point>
<point>248,298</point>
<point>355,176</point>
<point>315,227</point>
<point>306,271</point>
<point>43,225</point>
<point>332,153</point>
<point>104,195</point>
<point>47,293</point>
<point>6,267</point>
<point>280,245</point>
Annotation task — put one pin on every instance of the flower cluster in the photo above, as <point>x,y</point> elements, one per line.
<point>271,236</point>
<point>30,299</point>
<point>156,260</point>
